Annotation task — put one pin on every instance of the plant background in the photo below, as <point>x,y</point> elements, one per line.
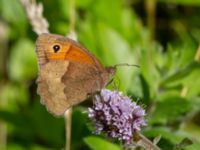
<point>161,36</point>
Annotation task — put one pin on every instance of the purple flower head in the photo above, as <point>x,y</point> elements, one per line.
<point>116,115</point>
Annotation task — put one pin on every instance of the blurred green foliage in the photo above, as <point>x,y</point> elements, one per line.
<point>116,31</point>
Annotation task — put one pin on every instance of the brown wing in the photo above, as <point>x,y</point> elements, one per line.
<point>69,50</point>
<point>81,81</point>
<point>68,84</point>
<point>50,87</point>
<point>67,76</point>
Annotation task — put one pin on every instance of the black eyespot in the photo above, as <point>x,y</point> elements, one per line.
<point>56,48</point>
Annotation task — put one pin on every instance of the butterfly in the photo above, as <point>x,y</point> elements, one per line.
<point>68,73</point>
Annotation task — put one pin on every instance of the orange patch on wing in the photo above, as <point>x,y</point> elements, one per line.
<point>70,52</point>
<point>60,55</point>
<point>78,55</point>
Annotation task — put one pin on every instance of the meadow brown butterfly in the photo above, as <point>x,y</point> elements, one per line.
<point>68,73</point>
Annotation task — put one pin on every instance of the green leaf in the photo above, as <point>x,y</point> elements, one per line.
<point>64,6</point>
<point>145,90</point>
<point>23,64</point>
<point>172,136</point>
<point>116,50</point>
<point>44,125</point>
<point>80,131</point>
<point>11,146</point>
<point>96,143</point>
<point>180,74</point>
<point>194,146</point>
<point>87,36</point>
<point>182,2</point>
<point>184,143</point>
<point>83,4</point>
<point>113,18</point>
<point>12,12</point>
<point>192,130</point>
<point>13,119</point>
<point>39,147</point>
<point>193,87</point>
<point>13,95</point>
<point>171,109</point>
<point>149,71</point>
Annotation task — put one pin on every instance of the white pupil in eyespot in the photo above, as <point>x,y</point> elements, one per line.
<point>56,48</point>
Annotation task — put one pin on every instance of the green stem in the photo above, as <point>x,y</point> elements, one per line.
<point>3,77</point>
<point>68,120</point>
<point>151,17</point>
<point>72,16</point>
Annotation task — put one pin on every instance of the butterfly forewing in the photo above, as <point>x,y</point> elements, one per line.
<point>68,73</point>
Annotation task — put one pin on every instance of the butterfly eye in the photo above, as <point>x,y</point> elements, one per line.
<point>56,48</point>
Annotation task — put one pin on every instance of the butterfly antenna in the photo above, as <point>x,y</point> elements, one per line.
<point>126,64</point>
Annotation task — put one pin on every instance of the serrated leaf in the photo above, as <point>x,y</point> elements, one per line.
<point>180,74</point>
